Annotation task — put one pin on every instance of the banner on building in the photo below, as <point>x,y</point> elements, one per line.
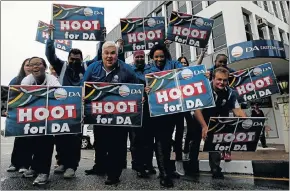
<point>43,110</point>
<point>254,83</point>
<point>142,33</point>
<point>4,97</point>
<point>117,104</point>
<point>258,48</point>
<point>42,35</point>
<point>74,22</point>
<point>189,29</point>
<point>233,134</point>
<point>179,90</point>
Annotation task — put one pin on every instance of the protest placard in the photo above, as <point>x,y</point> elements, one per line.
<point>43,110</point>
<point>189,29</point>
<point>4,97</point>
<point>142,33</point>
<point>42,35</point>
<point>179,90</point>
<point>117,104</point>
<point>233,133</point>
<point>74,22</point>
<point>254,83</point>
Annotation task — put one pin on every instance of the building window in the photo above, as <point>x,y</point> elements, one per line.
<point>196,7</point>
<point>248,28</point>
<point>271,33</point>
<point>211,2</point>
<point>275,9</point>
<point>283,11</point>
<point>256,2</point>
<point>261,33</point>
<point>218,34</point>
<point>169,9</point>
<point>266,6</point>
<point>281,36</point>
<point>182,6</point>
<point>159,13</point>
<point>288,36</point>
<point>185,51</point>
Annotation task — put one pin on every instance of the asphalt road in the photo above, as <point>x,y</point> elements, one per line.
<point>129,181</point>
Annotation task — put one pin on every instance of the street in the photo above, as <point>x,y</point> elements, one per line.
<point>13,181</point>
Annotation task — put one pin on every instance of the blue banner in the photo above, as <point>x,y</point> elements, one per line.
<point>233,134</point>
<point>4,97</point>
<point>256,49</point>
<point>43,110</point>
<point>179,90</point>
<point>74,22</point>
<point>189,29</point>
<point>108,104</point>
<point>142,33</point>
<point>254,83</point>
<point>42,35</point>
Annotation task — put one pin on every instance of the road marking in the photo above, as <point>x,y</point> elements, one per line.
<point>252,177</point>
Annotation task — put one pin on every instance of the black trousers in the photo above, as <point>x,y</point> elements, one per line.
<point>179,126</point>
<point>263,137</point>
<point>68,149</point>
<point>110,144</point>
<point>22,152</point>
<point>163,127</point>
<point>42,153</point>
<point>196,136</point>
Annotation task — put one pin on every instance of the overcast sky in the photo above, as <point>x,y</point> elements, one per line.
<point>19,22</point>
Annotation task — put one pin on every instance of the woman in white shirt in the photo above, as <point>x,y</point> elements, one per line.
<point>43,145</point>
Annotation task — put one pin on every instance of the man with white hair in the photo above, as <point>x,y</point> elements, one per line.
<point>109,141</point>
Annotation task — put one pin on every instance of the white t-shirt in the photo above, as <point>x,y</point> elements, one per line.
<point>50,80</point>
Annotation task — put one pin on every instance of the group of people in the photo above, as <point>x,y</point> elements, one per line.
<point>32,155</point>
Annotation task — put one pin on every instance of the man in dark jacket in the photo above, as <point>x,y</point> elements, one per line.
<point>109,141</point>
<point>69,73</point>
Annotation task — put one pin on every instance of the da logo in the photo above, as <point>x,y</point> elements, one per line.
<point>60,94</point>
<point>224,102</point>
<point>115,78</point>
<point>124,91</point>
<point>237,51</point>
<point>186,74</point>
<point>151,22</point>
<point>88,12</point>
<point>247,124</point>
<point>257,71</point>
<point>199,22</point>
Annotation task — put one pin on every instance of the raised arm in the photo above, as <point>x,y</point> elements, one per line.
<point>199,61</point>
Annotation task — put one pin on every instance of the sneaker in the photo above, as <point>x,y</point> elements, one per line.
<point>11,168</point>
<point>41,179</point>
<point>60,169</point>
<point>227,157</point>
<point>29,173</point>
<point>185,157</point>
<point>22,170</point>
<point>265,146</point>
<point>217,174</point>
<point>179,168</point>
<point>69,173</point>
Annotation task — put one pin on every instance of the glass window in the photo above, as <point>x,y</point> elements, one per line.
<point>185,51</point>
<point>271,33</point>
<point>218,34</point>
<point>261,33</point>
<point>248,29</point>
<point>159,13</point>
<point>281,35</point>
<point>266,6</point>
<point>288,36</point>
<point>196,7</point>
<point>169,9</point>
<point>275,9</point>
<point>182,6</point>
<point>256,2</point>
<point>283,12</point>
<point>210,2</point>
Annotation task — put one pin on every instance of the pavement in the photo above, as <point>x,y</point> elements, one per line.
<point>129,181</point>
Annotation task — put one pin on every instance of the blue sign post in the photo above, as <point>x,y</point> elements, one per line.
<point>74,22</point>
<point>179,90</point>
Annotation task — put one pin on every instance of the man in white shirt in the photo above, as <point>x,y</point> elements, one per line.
<point>43,145</point>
